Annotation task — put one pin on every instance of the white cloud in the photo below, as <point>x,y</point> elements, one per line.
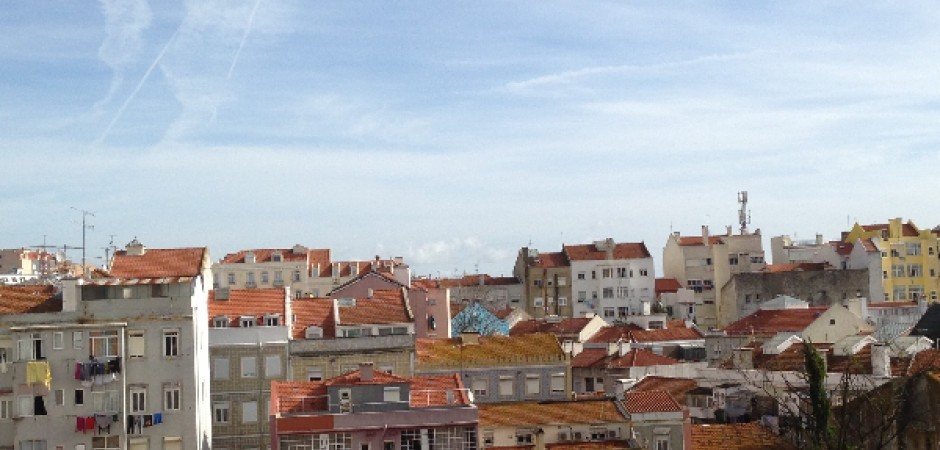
<point>125,23</point>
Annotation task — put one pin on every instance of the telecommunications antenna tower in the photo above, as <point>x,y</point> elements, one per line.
<point>744,215</point>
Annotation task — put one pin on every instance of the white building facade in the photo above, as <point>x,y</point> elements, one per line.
<point>612,280</point>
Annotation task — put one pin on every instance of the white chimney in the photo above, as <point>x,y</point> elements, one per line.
<point>135,248</point>
<point>71,293</point>
<point>880,361</point>
<point>705,235</point>
<point>403,274</point>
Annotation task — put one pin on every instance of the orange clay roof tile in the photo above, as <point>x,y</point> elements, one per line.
<point>490,348</point>
<point>29,299</point>
<point>590,252</point>
<point>550,413</point>
<point>386,306</point>
<point>247,302</point>
<point>738,436</point>
<point>159,263</point>
<point>650,402</point>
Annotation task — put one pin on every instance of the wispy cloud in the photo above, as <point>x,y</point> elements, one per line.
<point>241,45</point>
<point>125,22</point>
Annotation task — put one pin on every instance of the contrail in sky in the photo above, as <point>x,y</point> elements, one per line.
<point>251,19</point>
<point>140,84</point>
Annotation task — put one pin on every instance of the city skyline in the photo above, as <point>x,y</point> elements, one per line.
<point>453,135</point>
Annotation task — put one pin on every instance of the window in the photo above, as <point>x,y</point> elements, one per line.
<point>644,272</point>
<point>231,279</point>
<point>77,339</point>
<point>171,398</point>
<point>171,339</point>
<point>930,250</point>
<point>537,282</point>
<point>249,412</point>
<point>900,293</point>
<point>623,291</point>
<point>609,312</point>
<point>34,444</point>
<point>135,344</point>
<point>622,311</point>
<point>915,292</point>
<point>537,301</point>
<point>220,412</point>
<point>392,394</point>
<point>913,248</point>
<point>6,409</point>
<point>915,270</point>
<point>249,366</point>
<point>138,399</point>
<point>106,401</point>
<point>662,443</point>
<point>29,347</point>
<point>220,369</point>
<point>220,322</point>
<point>708,262</point>
<point>607,292</point>
<point>246,321</point>
<point>694,285</point>
<point>106,442</point>
<point>607,273</point>
<point>505,386</point>
<point>251,279</point>
<point>757,260</point>
<point>79,397</point>
<point>314,374</point>
<point>582,296</point>
<point>479,386</point>
<point>897,270</point>
<point>621,272</point>
<point>103,343</point>
<point>272,366</point>
<point>523,438</point>
<point>296,276</point>
<point>581,275</point>
<point>172,443</point>
<point>272,320</point>
<point>733,260</point>
<point>58,340</point>
<point>533,384</point>
<point>24,405</point>
<point>264,278</point>
<point>558,383</point>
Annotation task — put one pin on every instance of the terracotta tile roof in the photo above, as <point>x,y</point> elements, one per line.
<point>698,240</point>
<point>550,260</point>
<point>550,413</point>
<point>925,361</point>
<point>29,299</point>
<point>633,333</point>
<point>503,313</point>
<point>159,263</point>
<point>299,396</point>
<point>650,402</point>
<point>869,245</point>
<point>667,285</point>
<point>794,267</point>
<point>907,229</point>
<point>676,387</point>
<point>425,283</point>
<point>311,396</point>
<point>431,390</point>
<point>638,357</point>
<point>590,252</point>
<point>474,280</point>
<point>773,321</point>
<point>737,436</point>
<point>564,327</point>
<point>382,276</point>
<point>527,348</point>
<point>263,255</point>
<point>589,357</point>
<point>248,302</point>
<point>313,311</point>
<point>385,306</point>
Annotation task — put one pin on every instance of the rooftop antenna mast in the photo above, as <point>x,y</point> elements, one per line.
<point>107,253</point>
<point>43,257</point>
<point>85,227</point>
<point>744,215</point>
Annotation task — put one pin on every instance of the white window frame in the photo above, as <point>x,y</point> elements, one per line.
<point>172,397</point>
<point>533,384</point>
<point>391,394</point>
<point>137,399</point>
<point>314,373</point>
<point>556,378</point>
<point>105,401</point>
<point>248,366</point>
<point>58,340</point>
<point>506,386</point>
<point>221,412</point>
<point>6,408</point>
<point>171,343</point>
<point>272,362</point>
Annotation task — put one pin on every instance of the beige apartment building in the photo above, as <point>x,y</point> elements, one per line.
<point>546,280</point>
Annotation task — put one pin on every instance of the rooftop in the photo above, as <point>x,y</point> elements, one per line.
<point>676,387</point>
<point>640,402</point>
<point>737,436</point>
<point>676,331</point>
<point>565,326</point>
<point>773,321</point>
<point>638,357</point>
<point>525,349</point>
<point>384,307</point>
<point>592,411</point>
<point>590,252</point>
<point>247,302</point>
<point>159,263</point>
<point>29,299</point>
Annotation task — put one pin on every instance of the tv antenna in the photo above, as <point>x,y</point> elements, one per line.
<point>107,253</point>
<point>85,227</point>
<point>44,257</point>
<point>744,215</point>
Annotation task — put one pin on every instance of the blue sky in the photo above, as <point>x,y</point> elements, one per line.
<point>454,133</point>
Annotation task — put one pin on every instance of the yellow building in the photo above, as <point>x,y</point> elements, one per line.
<point>909,258</point>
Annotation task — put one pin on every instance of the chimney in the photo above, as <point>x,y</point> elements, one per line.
<point>71,293</point>
<point>819,239</point>
<point>727,230</point>
<point>469,338</point>
<point>135,248</point>
<point>705,235</point>
<point>370,293</point>
<point>366,371</point>
<point>743,358</point>
<point>880,360</point>
<point>403,274</point>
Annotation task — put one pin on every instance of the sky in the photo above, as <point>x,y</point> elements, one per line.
<point>454,133</point>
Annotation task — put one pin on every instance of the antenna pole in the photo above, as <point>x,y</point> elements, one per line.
<point>743,215</point>
<point>85,227</point>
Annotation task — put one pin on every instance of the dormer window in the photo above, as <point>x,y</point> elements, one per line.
<point>220,322</point>
<point>272,320</point>
<point>246,321</point>
<point>276,257</point>
<point>313,332</point>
